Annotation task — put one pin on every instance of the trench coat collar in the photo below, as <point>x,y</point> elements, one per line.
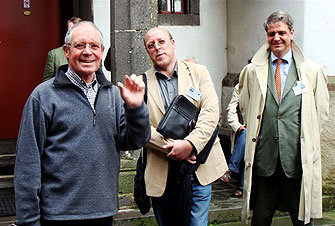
<point>261,60</point>
<point>262,55</point>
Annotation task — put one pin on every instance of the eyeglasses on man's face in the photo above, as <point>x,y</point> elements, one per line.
<point>82,46</point>
<point>156,44</point>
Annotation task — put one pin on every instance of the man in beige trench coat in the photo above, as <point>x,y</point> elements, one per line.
<point>284,121</point>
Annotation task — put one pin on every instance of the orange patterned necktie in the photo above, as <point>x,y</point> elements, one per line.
<point>278,78</point>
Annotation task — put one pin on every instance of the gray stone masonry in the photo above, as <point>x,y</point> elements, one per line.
<point>129,22</point>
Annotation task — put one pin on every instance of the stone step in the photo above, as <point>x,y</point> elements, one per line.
<point>224,209</point>
<point>224,214</point>
<point>7,160</point>
<point>6,181</point>
<point>327,220</point>
<point>222,206</point>
<point>7,146</point>
<point>132,217</point>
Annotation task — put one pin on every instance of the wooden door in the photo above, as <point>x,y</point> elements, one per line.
<point>26,36</point>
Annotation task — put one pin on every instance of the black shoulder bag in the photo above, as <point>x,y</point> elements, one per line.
<point>179,120</point>
<point>140,196</point>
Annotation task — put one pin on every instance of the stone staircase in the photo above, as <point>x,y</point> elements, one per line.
<point>223,207</point>
<point>224,210</point>
<point>7,159</point>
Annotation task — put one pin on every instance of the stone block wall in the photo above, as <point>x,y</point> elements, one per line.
<point>129,23</point>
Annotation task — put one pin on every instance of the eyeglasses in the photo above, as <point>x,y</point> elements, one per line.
<point>82,46</point>
<point>159,43</point>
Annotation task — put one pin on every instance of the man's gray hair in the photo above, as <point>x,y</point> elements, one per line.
<point>68,36</point>
<point>279,16</point>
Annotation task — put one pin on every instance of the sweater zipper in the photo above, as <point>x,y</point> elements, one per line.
<point>83,94</point>
<point>94,117</point>
<point>95,101</point>
<point>94,112</point>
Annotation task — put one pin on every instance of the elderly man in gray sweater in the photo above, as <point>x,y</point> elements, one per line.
<point>72,130</point>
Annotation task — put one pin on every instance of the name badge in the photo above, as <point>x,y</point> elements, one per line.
<point>193,93</point>
<point>300,88</point>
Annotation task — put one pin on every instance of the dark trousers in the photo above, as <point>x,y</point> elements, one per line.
<point>107,221</point>
<point>273,192</point>
<point>173,208</point>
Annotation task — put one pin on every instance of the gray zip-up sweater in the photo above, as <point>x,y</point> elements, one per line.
<point>68,155</point>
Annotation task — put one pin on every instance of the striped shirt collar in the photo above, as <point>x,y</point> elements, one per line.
<point>89,89</point>
<point>76,80</point>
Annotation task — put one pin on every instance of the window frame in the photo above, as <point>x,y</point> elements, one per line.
<point>172,11</point>
<point>190,16</point>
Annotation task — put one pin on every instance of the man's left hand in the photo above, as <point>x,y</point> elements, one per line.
<point>180,149</point>
<point>133,91</point>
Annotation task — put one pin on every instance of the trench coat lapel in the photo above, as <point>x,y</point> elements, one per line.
<point>183,78</point>
<point>261,59</point>
<point>154,91</point>
<point>262,75</point>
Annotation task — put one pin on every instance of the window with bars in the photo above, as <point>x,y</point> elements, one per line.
<point>178,12</point>
<point>172,6</point>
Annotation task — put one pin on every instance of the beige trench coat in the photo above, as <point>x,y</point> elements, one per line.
<point>314,113</point>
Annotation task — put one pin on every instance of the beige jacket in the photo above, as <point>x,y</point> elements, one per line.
<point>232,116</point>
<point>314,113</point>
<point>197,77</point>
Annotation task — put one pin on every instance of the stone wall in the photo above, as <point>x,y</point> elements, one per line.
<point>129,22</point>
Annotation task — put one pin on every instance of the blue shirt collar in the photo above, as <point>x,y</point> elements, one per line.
<point>287,57</point>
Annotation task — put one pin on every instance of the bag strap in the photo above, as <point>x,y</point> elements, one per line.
<point>203,155</point>
<point>145,80</point>
<point>144,149</point>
